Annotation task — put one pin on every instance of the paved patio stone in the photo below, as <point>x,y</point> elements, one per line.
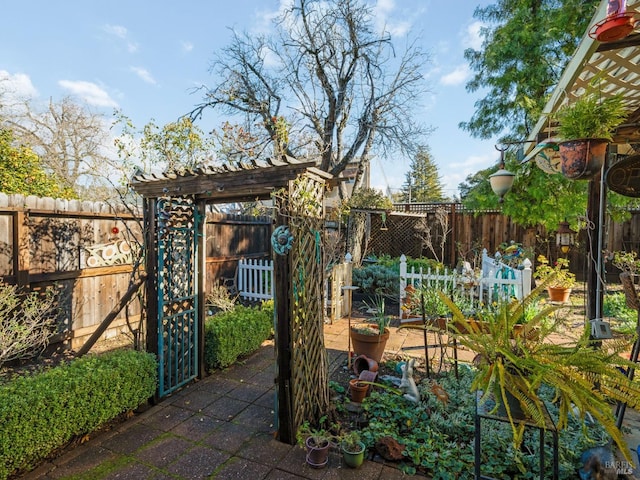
<point>199,462</point>
<point>196,427</point>
<point>229,437</point>
<point>265,450</point>
<point>168,418</point>
<point>131,439</point>
<point>241,469</point>
<point>261,419</point>
<point>88,459</point>
<point>134,471</point>
<point>163,451</point>
<point>225,408</point>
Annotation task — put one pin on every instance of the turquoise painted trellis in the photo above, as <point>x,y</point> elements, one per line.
<point>177,226</point>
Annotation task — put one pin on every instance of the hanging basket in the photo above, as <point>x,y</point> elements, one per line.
<point>612,28</point>
<point>582,159</point>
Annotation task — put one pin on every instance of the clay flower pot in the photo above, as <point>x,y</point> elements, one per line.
<point>582,159</point>
<point>362,362</point>
<point>558,294</point>
<point>358,390</point>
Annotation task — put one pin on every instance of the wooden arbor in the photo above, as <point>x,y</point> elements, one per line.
<point>174,206</point>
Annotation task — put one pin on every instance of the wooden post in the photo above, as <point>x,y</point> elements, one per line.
<point>150,205</point>
<point>201,262</point>
<point>21,252</point>
<point>282,270</point>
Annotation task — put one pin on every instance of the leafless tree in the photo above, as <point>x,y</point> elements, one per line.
<point>326,83</point>
<point>434,232</point>
<point>72,141</point>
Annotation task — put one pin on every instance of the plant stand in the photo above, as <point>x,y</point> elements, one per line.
<point>481,413</point>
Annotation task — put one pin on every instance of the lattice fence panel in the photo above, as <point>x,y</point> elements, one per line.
<point>400,237</point>
<point>309,364</point>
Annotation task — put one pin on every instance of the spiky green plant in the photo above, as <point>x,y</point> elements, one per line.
<point>585,378</point>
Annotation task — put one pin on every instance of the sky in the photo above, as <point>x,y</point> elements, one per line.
<point>147,58</point>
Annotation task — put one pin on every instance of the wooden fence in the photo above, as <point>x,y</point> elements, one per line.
<point>85,251</point>
<point>468,232</point>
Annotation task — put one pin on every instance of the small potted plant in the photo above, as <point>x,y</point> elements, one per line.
<point>586,127</point>
<point>352,448</point>
<point>557,277</point>
<point>370,338</point>
<point>317,442</point>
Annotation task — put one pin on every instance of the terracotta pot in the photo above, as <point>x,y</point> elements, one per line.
<point>357,390</point>
<point>317,455</point>
<point>559,294</point>
<point>371,346</point>
<point>582,159</point>
<point>362,362</point>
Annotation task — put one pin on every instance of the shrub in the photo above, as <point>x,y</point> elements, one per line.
<point>229,335</point>
<point>615,305</point>
<point>43,412</point>
<point>377,279</point>
<point>26,322</point>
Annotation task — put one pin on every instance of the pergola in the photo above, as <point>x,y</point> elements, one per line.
<point>174,211</point>
<point>616,64</point>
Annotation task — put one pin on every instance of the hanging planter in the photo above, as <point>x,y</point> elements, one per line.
<point>582,159</point>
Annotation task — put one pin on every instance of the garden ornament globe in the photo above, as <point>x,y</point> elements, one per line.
<point>502,180</point>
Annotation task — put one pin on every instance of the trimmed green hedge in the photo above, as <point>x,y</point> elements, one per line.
<point>229,335</point>
<point>43,412</point>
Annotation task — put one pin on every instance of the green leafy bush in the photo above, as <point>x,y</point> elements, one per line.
<point>438,433</point>
<point>229,335</point>
<point>614,305</point>
<point>43,412</point>
<point>377,280</point>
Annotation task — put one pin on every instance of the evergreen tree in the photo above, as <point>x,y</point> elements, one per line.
<point>422,182</point>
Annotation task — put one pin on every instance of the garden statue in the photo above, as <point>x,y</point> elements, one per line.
<point>408,385</point>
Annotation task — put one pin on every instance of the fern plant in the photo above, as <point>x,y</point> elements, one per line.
<point>584,378</point>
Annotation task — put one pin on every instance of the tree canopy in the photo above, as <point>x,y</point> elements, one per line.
<point>324,84</point>
<point>526,46</point>
<point>21,171</point>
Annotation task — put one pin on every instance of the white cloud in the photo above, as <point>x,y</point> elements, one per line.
<point>382,13</point>
<point>472,38</point>
<point>457,77</point>
<point>17,85</point>
<point>116,30</point>
<point>144,74</point>
<point>121,33</point>
<point>89,92</point>
<point>187,46</point>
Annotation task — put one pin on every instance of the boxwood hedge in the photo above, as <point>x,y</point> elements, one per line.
<point>229,335</point>
<point>43,412</point>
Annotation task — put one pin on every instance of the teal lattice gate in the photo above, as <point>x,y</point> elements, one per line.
<point>177,227</point>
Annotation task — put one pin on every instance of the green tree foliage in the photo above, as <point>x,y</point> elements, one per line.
<point>21,171</point>
<point>422,182</point>
<point>526,46</point>
<point>536,198</point>
<point>177,146</point>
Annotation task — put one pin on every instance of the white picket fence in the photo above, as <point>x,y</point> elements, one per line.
<point>255,279</point>
<point>496,280</point>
